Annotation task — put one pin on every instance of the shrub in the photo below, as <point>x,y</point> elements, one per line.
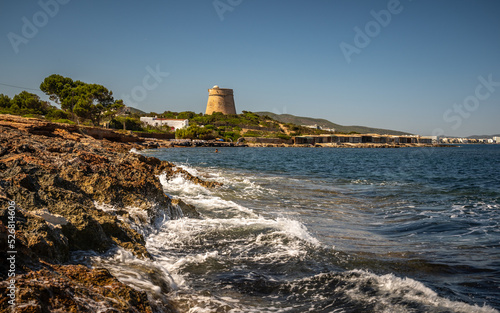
<point>252,133</point>
<point>231,136</point>
<point>283,136</point>
<point>130,123</point>
<point>65,121</point>
<point>194,132</point>
<point>57,114</point>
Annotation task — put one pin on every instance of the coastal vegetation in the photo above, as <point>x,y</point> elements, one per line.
<point>29,104</point>
<point>231,127</point>
<point>94,105</point>
<point>87,102</point>
<point>79,102</point>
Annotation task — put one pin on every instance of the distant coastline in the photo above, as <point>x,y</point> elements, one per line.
<point>144,140</point>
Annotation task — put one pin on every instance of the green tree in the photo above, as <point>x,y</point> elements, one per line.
<point>114,109</point>
<point>86,101</point>
<point>186,115</point>
<point>5,101</point>
<point>130,123</point>
<point>166,114</point>
<point>59,88</point>
<point>194,132</point>
<point>29,103</point>
<point>57,114</point>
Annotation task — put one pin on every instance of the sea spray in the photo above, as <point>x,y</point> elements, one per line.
<point>144,221</point>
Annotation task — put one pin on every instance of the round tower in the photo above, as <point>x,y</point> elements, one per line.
<point>220,100</point>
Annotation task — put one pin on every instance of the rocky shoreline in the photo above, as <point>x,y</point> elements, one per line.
<point>67,188</point>
<point>54,178</point>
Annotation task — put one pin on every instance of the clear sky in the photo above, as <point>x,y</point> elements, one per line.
<point>420,66</point>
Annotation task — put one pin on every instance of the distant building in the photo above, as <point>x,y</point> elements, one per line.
<point>174,124</point>
<point>364,138</point>
<point>220,100</point>
<point>428,139</point>
<point>315,126</point>
<point>496,139</point>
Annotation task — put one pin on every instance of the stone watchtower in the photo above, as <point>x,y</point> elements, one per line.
<point>220,100</point>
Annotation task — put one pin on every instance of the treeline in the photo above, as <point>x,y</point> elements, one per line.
<point>29,104</point>
<point>80,102</point>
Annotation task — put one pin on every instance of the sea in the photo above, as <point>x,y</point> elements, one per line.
<point>325,230</point>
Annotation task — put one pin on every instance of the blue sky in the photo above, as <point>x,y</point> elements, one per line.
<point>422,66</point>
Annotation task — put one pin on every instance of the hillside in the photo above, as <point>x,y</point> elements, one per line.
<point>483,136</point>
<point>300,120</point>
<point>133,110</point>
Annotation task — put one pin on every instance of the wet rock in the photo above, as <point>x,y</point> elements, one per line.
<point>35,241</point>
<point>187,210</point>
<point>74,288</point>
<point>59,178</point>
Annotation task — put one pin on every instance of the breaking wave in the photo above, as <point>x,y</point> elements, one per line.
<point>237,258</point>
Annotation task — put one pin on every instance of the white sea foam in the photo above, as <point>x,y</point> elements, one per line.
<point>179,184</point>
<point>392,292</point>
<point>138,273</point>
<point>229,241</point>
<point>378,293</point>
<point>185,229</point>
<point>141,220</point>
<point>232,182</point>
<point>201,197</point>
<point>204,304</point>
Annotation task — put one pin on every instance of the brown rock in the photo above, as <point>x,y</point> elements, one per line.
<point>74,288</point>
<point>57,174</point>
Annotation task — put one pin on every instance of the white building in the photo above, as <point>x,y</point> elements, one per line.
<point>496,139</point>
<point>171,122</point>
<point>315,126</point>
<point>428,139</point>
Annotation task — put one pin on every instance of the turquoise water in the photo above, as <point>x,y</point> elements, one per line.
<point>335,230</point>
